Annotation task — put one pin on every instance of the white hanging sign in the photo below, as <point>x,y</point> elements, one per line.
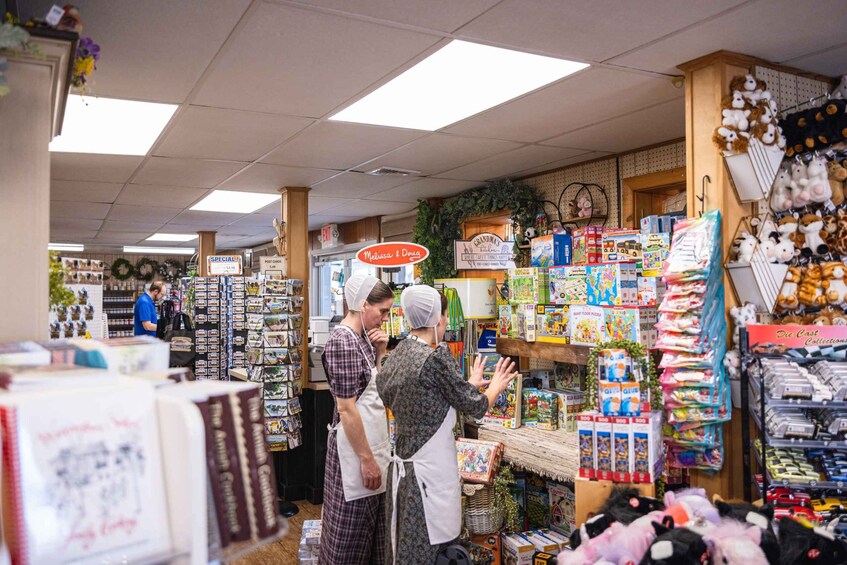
<point>484,251</point>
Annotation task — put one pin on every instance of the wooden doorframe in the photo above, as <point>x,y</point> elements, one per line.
<point>650,181</point>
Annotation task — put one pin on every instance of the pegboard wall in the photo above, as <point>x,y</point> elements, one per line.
<point>604,172</point>
<point>789,89</point>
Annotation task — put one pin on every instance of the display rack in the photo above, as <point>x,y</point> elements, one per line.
<point>553,454</point>
<point>118,305</point>
<point>563,353</point>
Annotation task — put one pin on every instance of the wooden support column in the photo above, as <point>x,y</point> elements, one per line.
<point>205,248</point>
<point>295,215</point>
<point>706,82</point>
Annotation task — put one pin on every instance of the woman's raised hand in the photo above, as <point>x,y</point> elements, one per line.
<point>477,378</point>
<point>504,373</point>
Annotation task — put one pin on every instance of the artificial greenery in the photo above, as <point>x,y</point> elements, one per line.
<point>146,269</point>
<point>122,269</point>
<point>638,353</point>
<point>438,226</point>
<point>60,296</point>
<point>171,270</point>
<point>503,499</point>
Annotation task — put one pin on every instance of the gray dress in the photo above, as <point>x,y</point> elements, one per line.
<point>419,385</point>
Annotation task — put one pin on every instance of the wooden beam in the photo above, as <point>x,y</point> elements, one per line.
<point>295,215</point>
<point>205,248</point>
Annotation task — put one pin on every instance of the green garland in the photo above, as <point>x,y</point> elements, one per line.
<point>146,269</point>
<point>122,269</point>
<point>171,270</point>
<point>636,351</point>
<point>503,499</point>
<point>437,227</point>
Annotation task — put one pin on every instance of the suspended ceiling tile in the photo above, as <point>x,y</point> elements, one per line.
<point>216,133</point>
<point>425,188</point>
<point>204,220</point>
<point>125,238</point>
<point>829,62</point>
<point>89,167</point>
<point>124,227</point>
<point>440,152</point>
<point>563,163</point>
<point>319,220</point>
<point>442,15</point>
<point>81,210</point>
<point>340,145</point>
<point>84,191</point>
<point>506,164</point>
<point>372,208</point>
<point>170,196</point>
<point>589,31</point>
<point>123,212</point>
<point>154,50</point>
<point>71,224</point>
<point>639,129</point>
<point>356,185</point>
<point>582,99</point>
<point>776,36</point>
<point>195,173</point>
<point>255,224</point>
<point>316,205</point>
<point>260,177</point>
<point>63,235</point>
<point>298,62</point>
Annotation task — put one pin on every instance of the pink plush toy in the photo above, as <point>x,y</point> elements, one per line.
<point>584,206</point>
<point>687,505</point>
<point>736,542</point>
<point>632,542</point>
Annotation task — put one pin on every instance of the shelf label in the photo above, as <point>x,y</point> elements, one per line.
<point>484,252</point>
<point>393,254</point>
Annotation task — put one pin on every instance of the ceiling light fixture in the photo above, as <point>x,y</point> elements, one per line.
<point>111,126</point>
<point>172,237</point>
<point>235,202</point>
<point>65,247</point>
<point>159,250</point>
<point>457,81</point>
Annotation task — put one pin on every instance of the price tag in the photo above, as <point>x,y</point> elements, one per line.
<point>54,16</point>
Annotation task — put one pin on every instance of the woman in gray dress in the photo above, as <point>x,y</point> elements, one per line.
<point>424,388</point>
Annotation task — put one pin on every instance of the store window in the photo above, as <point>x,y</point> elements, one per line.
<point>329,273</point>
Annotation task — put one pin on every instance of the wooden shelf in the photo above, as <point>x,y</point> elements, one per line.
<point>583,219</point>
<point>577,354</point>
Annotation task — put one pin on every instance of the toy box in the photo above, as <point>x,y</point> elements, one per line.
<point>529,286</point>
<point>506,410</point>
<point>587,325</point>
<point>551,250</point>
<point>648,457</point>
<point>529,408</point>
<point>651,290</point>
<point>632,323</point>
<point>622,245</point>
<point>603,441</point>
<point>478,460</point>
<point>544,558</point>
<point>587,245</point>
<point>541,542</point>
<point>553,324</point>
<point>610,398</point>
<point>562,511</point>
<point>504,321</point>
<point>537,503</point>
<point>548,410</point>
<point>523,321</point>
<point>650,224</point>
<point>516,550</point>
<point>485,548</point>
<point>568,285</point>
<point>623,447</point>
<point>614,284</point>
<point>587,445</point>
<point>553,535</point>
<point>571,403</point>
<point>630,399</point>
<point>655,249</point>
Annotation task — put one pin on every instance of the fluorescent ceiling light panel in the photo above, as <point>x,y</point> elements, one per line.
<point>233,201</point>
<point>172,237</point>
<point>159,250</point>
<point>459,80</point>
<point>111,126</point>
<point>65,247</point>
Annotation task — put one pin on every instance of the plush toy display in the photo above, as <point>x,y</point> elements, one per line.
<point>731,139</point>
<point>781,191</point>
<point>742,316</point>
<point>788,298</point>
<point>837,174</point>
<point>816,182</point>
<point>585,207</point>
<point>811,237</point>
<point>748,112</point>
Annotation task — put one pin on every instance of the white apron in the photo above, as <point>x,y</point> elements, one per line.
<point>437,474</point>
<point>375,423</point>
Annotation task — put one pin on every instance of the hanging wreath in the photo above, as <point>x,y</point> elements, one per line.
<point>639,354</point>
<point>146,269</point>
<point>122,269</point>
<point>170,270</point>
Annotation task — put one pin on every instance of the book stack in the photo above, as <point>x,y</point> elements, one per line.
<point>274,350</point>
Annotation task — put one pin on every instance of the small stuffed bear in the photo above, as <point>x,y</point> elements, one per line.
<point>812,235</point>
<point>834,274</point>
<point>742,316</point>
<point>816,182</point>
<point>585,207</point>
<point>837,175</point>
<point>731,139</point>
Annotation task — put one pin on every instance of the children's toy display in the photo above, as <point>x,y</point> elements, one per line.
<point>553,324</point>
<point>613,284</point>
<point>748,112</point>
<point>551,250</point>
<point>587,245</point>
<point>621,245</point>
<point>478,460</point>
<point>310,542</point>
<point>274,338</point>
<point>83,277</point>
<point>692,332</point>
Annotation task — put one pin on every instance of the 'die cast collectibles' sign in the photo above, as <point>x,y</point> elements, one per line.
<point>484,251</point>
<point>394,254</point>
<point>223,265</point>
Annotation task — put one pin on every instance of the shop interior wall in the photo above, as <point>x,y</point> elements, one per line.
<point>109,258</point>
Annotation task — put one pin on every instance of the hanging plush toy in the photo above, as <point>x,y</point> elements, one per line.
<point>781,191</point>
<point>810,291</point>
<point>742,316</point>
<point>731,139</point>
<point>788,298</point>
<point>835,287</point>
<point>816,182</point>
<point>811,235</point>
<point>799,194</point>
<point>837,174</point>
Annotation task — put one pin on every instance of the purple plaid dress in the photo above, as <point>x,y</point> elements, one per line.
<point>352,533</point>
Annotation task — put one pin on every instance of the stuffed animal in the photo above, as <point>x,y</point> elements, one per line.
<point>676,546</point>
<point>742,316</point>
<point>840,242</point>
<point>837,175</point>
<point>792,320</point>
<point>751,88</point>
<point>768,246</point>
<point>573,209</point>
<point>787,227</point>
<point>735,542</point>
<point>812,235</point>
<point>788,298</point>
<point>735,113</point>
<point>801,545</point>
<point>764,113</point>
<point>834,274</point>
<point>766,133</point>
<point>799,194</point>
<point>781,191</point>
<point>529,234</point>
<point>810,291</point>
<point>840,91</point>
<point>732,363</point>
<point>632,541</point>
<point>837,317</point>
<point>590,529</point>
<point>627,505</point>
<point>830,226</point>
<point>784,251</point>
<point>817,181</point>
<point>584,206</point>
<point>690,502</point>
<point>761,517</point>
<point>746,246</point>
<point>731,139</point>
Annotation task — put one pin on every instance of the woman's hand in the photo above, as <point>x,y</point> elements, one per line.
<point>379,339</point>
<point>477,378</point>
<point>371,474</point>
<point>504,373</point>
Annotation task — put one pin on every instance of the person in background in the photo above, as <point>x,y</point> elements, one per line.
<point>424,388</point>
<point>353,526</point>
<point>145,317</point>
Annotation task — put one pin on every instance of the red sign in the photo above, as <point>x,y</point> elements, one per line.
<point>765,337</point>
<point>394,254</point>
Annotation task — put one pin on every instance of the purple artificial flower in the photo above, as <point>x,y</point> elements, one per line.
<point>87,48</point>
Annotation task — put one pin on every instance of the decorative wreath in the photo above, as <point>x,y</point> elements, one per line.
<point>170,270</point>
<point>146,269</point>
<point>122,269</point>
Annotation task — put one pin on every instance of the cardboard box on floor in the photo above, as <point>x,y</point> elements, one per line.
<point>591,495</point>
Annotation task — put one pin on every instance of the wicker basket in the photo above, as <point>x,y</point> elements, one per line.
<point>481,513</point>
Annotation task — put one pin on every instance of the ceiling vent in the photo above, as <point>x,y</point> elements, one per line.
<point>392,171</point>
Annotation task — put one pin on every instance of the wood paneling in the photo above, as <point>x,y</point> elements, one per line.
<point>498,224</point>
<point>295,214</point>
<point>205,248</point>
<point>284,551</point>
<point>350,232</point>
<point>651,181</point>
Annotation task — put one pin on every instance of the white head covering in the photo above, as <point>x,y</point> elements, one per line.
<point>357,289</point>
<point>421,305</point>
